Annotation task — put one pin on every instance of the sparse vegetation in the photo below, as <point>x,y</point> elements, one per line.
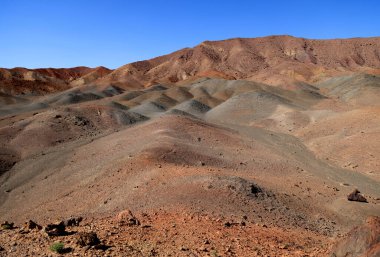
<point>7,225</point>
<point>57,247</point>
<point>214,253</point>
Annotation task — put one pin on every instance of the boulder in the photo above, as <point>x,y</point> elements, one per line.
<point>56,229</point>
<point>87,239</point>
<point>73,222</point>
<point>356,196</point>
<point>127,218</point>
<point>30,224</point>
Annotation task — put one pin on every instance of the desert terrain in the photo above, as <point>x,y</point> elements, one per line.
<point>241,147</point>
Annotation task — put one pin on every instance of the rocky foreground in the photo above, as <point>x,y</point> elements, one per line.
<point>179,234</point>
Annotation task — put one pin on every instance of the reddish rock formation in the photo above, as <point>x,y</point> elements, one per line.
<point>274,59</point>
<point>41,81</point>
<point>361,241</point>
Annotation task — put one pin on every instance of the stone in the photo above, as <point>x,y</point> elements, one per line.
<point>357,196</point>
<point>56,229</point>
<point>228,224</point>
<point>255,190</point>
<point>87,239</point>
<point>127,218</point>
<point>73,222</point>
<point>30,224</point>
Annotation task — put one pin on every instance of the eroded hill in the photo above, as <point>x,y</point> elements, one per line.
<point>213,164</point>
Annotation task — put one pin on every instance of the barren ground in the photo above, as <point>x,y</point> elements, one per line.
<point>208,166</point>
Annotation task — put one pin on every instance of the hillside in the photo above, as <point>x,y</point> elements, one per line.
<point>273,60</point>
<point>276,60</point>
<point>18,81</point>
<point>242,147</point>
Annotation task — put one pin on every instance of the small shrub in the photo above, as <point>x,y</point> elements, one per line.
<point>214,253</point>
<point>7,225</point>
<point>57,247</point>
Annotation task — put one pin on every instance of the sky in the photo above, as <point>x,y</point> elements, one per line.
<point>111,33</point>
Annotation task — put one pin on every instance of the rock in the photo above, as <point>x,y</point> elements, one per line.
<point>7,225</point>
<point>363,240</point>
<point>30,224</point>
<point>127,218</point>
<point>23,232</point>
<point>203,249</point>
<point>57,229</point>
<point>87,239</point>
<point>228,224</point>
<point>356,196</point>
<point>255,190</point>
<point>183,248</point>
<point>73,222</point>
<point>81,121</point>
<point>102,247</point>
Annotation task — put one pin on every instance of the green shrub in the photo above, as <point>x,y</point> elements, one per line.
<point>57,247</point>
<point>7,225</point>
<point>214,253</point>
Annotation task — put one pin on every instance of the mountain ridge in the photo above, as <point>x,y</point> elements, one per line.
<point>276,60</point>
<point>261,59</point>
<point>21,80</point>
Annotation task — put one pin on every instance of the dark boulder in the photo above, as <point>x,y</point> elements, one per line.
<point>356,196</point>
<point>87,239</point>
<point>73,222</point>
<point>30,224</point>
<point>56,229</point>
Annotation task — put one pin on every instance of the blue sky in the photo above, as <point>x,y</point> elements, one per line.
<point>67,33</point>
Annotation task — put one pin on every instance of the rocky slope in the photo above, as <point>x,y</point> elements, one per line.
<point>273,60</point>
<point>42,81</point>
<point>208,164</point>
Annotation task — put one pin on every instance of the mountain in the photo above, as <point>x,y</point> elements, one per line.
<point>273,60</point>
<point>41,81</point>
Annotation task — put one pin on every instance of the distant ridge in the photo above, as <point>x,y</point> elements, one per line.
<point>46,80</point>
<point>275,60</point>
